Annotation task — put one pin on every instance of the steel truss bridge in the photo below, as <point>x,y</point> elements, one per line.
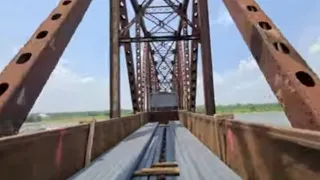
<point>163,40</point>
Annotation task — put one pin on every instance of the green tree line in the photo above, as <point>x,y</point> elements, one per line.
<point>245,108</point>
<point>235,108</point>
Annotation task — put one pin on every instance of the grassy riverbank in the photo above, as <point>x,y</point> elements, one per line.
<point>62,117</point>
<point>67,117</point>
<point>245,108</point>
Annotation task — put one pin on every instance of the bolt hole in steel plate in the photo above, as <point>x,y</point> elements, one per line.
<point>66,2</point>
<point>279,46</point>
<point>3,88</point>
<point>56,16</point>
<point>23,58</point>
<point>305,79</point>
<point>42,34</point>
<point>252,8</point>
<point>265,25</point>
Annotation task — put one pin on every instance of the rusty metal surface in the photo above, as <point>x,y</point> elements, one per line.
<point>115,108</point>
<point>257,151</point>
<point>23,79</point>
<point>139,65</point>
<point>163,116</point>
<point>129,57</point>
<point>168,73</point>
<point>193,67</point>
<point>179,77</point>
<point>290,78</point>
<point>121,161</point>
<point>60,153</point>
<point>253,151</point>
<point>195,159</point>
<point>161,29</point>
<point>209,101</point>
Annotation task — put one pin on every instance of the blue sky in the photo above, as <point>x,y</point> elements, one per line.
<point>81,79</point>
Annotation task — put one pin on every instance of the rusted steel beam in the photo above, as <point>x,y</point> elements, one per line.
<point>185,5</point>
<point>209,100</point>
<point>192,72</point>
<point>186,56</point>
<point>290,78</point>
<point>158,38</point>
<point>193,77</point>
<point>139,66</point>
<point>136,7</point>
<point>183,81</point>
<point>148,78</point>
<point>163,116</point>
<point>129,57</point>
<point>179,77</point>
<point>59,154</point>
<point>256,151</point>
<point>115,108</point>
<point>153,75</point>
<point>144,76</point>
<point>174,74</point>
<point>181,58</point>
<point>23,79</point>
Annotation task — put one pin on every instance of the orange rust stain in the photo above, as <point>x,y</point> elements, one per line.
<point>58,156</point>
<point>230,139</point>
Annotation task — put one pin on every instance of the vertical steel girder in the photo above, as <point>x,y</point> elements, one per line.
<point>136,6</point>
<point>179,76</point>
<point>148,77</point>
<point>290,78</point>
<point>194,61</point>
<point>164,78</point>
<point>129,57</point>
<point>115,108</point>
<point>209,100</point>
<point>143,77</point>
<point>153,75</point>
<point>182,60</point>
<point>139,67</point>
<point>184,73</point>
<point>185,55</point>
<point>25,76</point>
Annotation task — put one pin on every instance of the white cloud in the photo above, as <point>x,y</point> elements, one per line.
<point>224,18</point>
<point>86,80</point>
<point>70,90</point>
<point>315,47</point>
<point>244,84</point>
<point>67,90</point>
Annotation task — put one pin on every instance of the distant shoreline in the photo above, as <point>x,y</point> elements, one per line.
<point>103,115</point>
<point>245,108</point>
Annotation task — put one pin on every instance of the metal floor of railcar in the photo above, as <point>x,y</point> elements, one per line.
<point>145,147</point>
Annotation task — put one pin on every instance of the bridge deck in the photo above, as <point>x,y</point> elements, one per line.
<point>142,148</point>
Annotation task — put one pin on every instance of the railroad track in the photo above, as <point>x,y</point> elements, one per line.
<point>158,152</point>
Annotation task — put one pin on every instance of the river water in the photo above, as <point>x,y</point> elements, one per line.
<point>41,126</point>
<point>269,118</point>
<point>278,119</point>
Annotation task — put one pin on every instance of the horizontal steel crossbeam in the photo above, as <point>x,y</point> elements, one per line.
<point>159,38</point>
